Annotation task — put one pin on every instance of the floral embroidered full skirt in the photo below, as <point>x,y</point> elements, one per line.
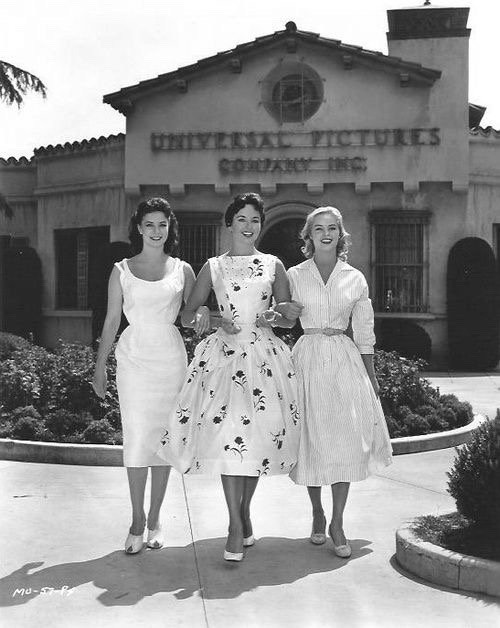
<point>237,410</point>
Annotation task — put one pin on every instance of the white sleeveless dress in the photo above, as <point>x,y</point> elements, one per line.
<point>237,411</point>
<point>151,360</point>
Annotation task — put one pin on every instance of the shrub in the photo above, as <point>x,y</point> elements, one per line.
<point>62,423</point>
<point>100,431</point>
<point>10,343</point>
<point>22,377</point>
<point>474,479</point>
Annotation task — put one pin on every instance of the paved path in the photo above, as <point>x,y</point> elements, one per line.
<point>64,526</point>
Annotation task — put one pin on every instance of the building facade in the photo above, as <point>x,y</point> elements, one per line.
<point>389,139</point>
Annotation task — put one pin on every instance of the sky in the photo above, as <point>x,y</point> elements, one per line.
<point>87,48</point>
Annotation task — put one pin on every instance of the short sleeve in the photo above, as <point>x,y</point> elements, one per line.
<point>363,322</point>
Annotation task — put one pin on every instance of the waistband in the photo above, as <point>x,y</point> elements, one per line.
<point>325,331</point>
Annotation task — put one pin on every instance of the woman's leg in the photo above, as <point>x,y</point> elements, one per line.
<point>249,486</point>
<point>137,477</point>
<point>159,481</point>
<point>233,486</point>
<point>340,491</point>
<point>319,520</point>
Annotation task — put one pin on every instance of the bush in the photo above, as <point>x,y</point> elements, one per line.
<point>62,423</point>
<point>100,431</point>
<point>474,480</point>
<point>10,343</point>
<point>411,405</point>
<point>27,424</point>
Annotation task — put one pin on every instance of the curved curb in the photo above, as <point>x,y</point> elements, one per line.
<point>112,455</point>
<point>439,440</point>
<point>61,453</point>
<point>444,567</point>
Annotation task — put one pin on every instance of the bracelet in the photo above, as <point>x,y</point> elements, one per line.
<point>271,318</point>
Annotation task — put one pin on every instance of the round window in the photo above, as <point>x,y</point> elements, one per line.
<point>292,92</point>
<point>295,98</point>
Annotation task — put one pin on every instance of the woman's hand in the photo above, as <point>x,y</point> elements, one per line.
<point>202,320</point>
<point>289,309</point>
<point>266,319</point>
<point>100,381</point>
<point>229,326</point>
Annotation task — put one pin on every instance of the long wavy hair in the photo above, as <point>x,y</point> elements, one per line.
<point>344,236</point>
<point>155,204</point>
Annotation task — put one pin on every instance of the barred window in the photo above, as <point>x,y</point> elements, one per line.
<point>400,260</point>
<point>79,266</point>
<point>198,240</point>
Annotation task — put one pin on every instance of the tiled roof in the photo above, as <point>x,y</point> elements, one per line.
<point>121,100</point>
<point>73,147</point>
<point>12,161</point>
<point>489,131</point>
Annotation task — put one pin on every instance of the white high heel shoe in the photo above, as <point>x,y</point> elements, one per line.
<point>234,556</point>
<point>134,543</point>
<point>155,538</point>
<point>248,541</point>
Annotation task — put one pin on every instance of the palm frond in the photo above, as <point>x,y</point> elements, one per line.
<point>15,83</point>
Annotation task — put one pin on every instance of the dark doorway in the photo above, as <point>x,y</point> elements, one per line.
<point>282,240</point>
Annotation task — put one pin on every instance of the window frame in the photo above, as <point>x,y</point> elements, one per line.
<point>393,218</point>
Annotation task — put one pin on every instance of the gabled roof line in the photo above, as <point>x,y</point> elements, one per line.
<point>291,33</point>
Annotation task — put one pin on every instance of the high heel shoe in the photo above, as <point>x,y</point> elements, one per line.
<point>155,538</point>
<point>342,551</point>
<point>134,543</point>
<point>248,541</point>
<point>318,538</point>
<point>234,556</point>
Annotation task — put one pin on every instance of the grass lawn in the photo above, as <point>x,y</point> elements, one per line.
<point>456,533</point>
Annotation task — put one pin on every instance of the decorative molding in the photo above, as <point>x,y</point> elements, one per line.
<point>177,190</point>
<point>347,61</point>
<point>82,186</point>
<point>362,188</point>
<point>460,187</point>
<point>235,65</point>
<point>404,79</point>
<point>291,45</point>
<point>268,189</point>
<point>315,189</point>
<point>181,85</point>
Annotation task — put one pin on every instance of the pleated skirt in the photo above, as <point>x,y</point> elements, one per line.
<point>344,436</point>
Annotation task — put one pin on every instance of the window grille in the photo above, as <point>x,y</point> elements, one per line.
<point>197,244</point>
<point>400,261</point>
<point>80,266</point>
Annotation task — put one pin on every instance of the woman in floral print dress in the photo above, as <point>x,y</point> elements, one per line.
<point>237,411</point>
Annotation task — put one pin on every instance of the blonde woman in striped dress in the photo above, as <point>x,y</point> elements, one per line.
<point>344,436</point>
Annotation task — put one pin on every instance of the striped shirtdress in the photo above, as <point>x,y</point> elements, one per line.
<point>344,435</point>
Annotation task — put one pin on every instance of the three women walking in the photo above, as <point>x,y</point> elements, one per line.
<point>243,409</point>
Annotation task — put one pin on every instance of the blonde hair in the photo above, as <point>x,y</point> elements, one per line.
<point>344,237</point>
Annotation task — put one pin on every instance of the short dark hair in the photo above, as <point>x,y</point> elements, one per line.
<point>155,204</point>
<point>239,202</point>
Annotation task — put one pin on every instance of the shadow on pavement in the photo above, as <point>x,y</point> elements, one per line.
<point>126,580</point>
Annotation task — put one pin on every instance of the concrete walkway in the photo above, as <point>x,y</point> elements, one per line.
<point>62,530</point>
